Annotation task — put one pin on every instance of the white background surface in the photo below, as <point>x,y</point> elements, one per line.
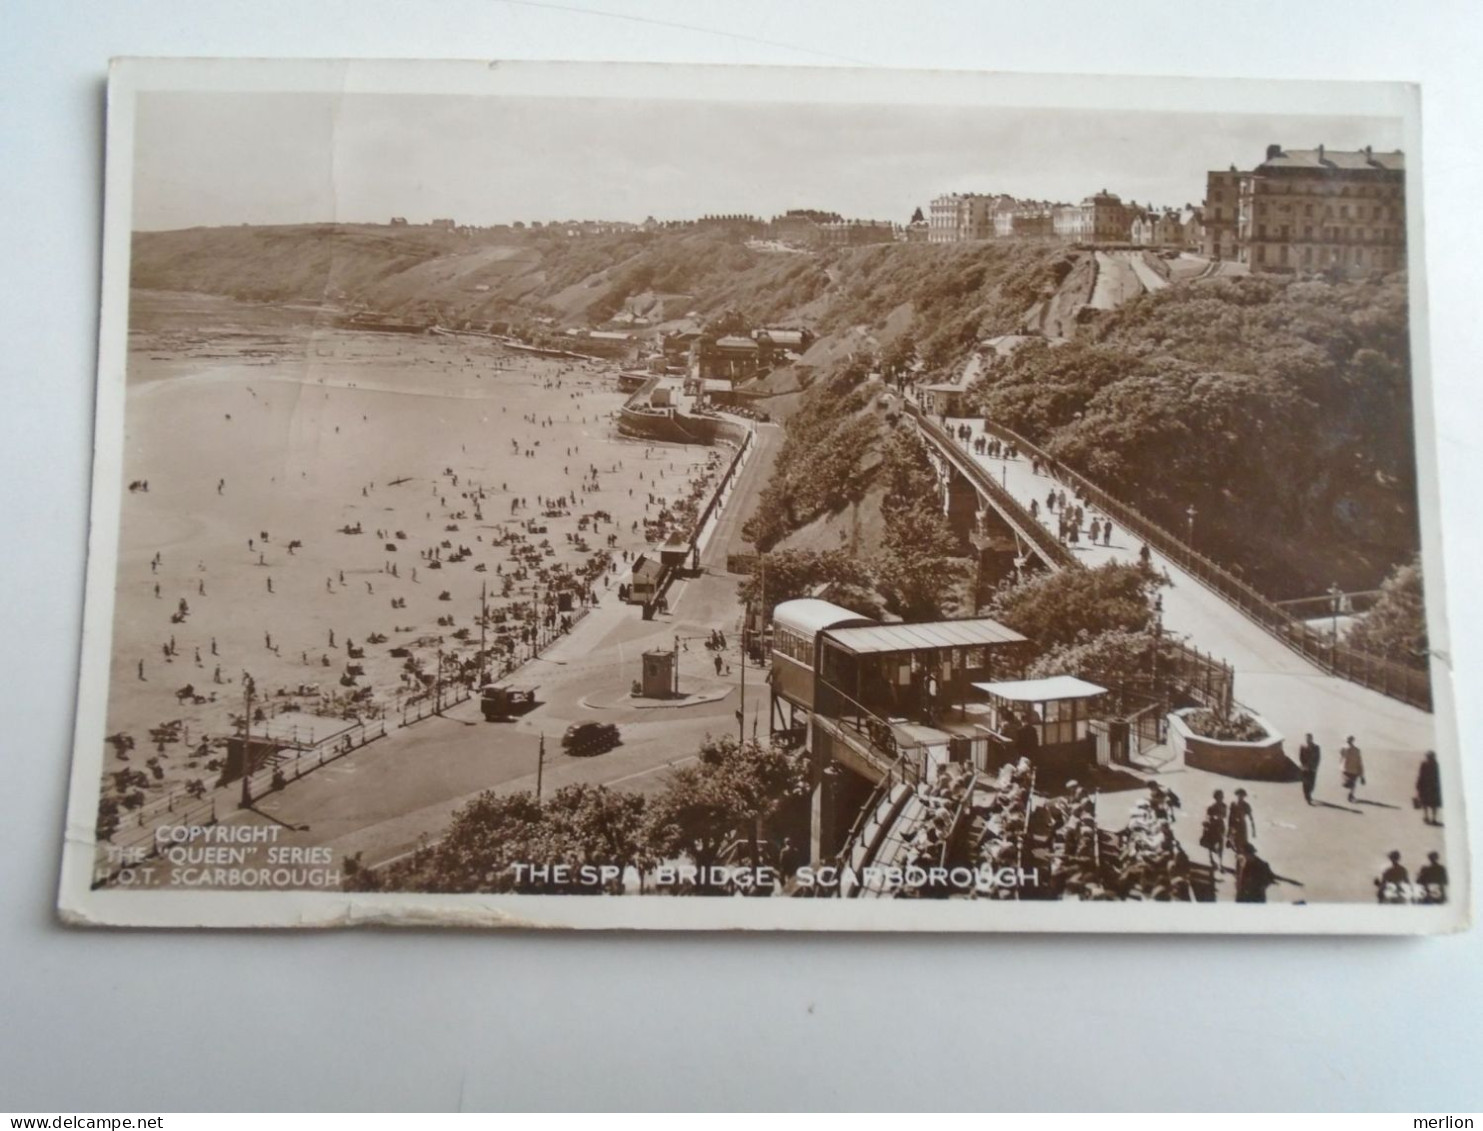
<point>397,1020</point>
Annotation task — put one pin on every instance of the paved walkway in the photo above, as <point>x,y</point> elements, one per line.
<point>1337,848</point>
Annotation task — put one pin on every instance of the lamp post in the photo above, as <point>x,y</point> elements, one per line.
<point>1190,530</point>
<point>1336,598</point>
<point>741,713</point>
<point>246,800</point>
<point>540,765</point>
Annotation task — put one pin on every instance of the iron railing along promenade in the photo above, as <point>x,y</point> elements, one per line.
<point>1399,681</point>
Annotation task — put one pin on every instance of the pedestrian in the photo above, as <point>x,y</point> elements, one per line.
<point>1353,766</point>
<point>1394,884</point>
<point>1242,823</point>
<point>1106,533</point>
<point>1096,531</point>
<point>719,662</point>
<point>1429,789</point>
<point>1213,833</point>
<point>1309,755</point>
<point>270,585</point>
<point>1253,876</point>
<point>213,645</point>
<point>1432,880</point>
<point>156,590</point>
<point>141,669</point>
<point>200,588</point>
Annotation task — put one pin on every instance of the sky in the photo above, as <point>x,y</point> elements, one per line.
<point>207,159</point>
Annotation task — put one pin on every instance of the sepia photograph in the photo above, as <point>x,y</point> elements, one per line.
<point>785,499</point>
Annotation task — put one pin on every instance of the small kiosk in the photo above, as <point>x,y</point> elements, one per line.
<point>1047,720</point>
<point>661,677</point>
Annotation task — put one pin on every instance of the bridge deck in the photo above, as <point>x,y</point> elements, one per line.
<point>1291,692</point>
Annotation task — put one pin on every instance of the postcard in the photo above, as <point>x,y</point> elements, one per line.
<point>629,496</point>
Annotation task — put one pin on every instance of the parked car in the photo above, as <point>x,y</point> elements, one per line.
<point>582,740</point>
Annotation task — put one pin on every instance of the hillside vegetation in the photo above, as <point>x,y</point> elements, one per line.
<point>944,296</point>
<point>1279,409</point>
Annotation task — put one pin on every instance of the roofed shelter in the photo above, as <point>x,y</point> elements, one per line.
<point>1047,720</point>
<point>915,672</point>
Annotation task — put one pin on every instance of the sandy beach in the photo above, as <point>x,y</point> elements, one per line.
<point>267,440</point>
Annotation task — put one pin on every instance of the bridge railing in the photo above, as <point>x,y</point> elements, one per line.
<point>1046,544</point>
<point>1408,684</point>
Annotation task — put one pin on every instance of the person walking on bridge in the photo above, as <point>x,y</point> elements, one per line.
<point>1353,766</point>
<point>1309,755</point>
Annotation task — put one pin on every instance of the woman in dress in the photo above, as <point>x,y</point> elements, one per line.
<point>1242,823</point>
<point>1213,834</point>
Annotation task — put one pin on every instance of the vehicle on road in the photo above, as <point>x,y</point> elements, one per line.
<point>583,740</point>
<point>503,702</point>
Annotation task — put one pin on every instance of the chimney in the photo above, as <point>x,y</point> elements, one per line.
<point>1369,156</point>
<point>1320,153</point>
<point>1273,152</point>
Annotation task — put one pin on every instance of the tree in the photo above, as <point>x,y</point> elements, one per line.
<point>919,569</point>
<point>1114,659</point>
<point>733,791</point>
<point>1279,408</point>
<point>576,826</point>
<point>897,357</point>
<point>1056,610</point>
<point>789,574</point>
<point>1395,626</point>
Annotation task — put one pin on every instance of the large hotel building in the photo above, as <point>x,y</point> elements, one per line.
<point>1305,210</point>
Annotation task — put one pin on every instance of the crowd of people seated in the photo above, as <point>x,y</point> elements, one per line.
<point>1006,823</point>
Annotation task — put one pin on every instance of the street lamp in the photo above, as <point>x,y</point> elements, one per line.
<point>1190,515</point>
<point>1336,599</point>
